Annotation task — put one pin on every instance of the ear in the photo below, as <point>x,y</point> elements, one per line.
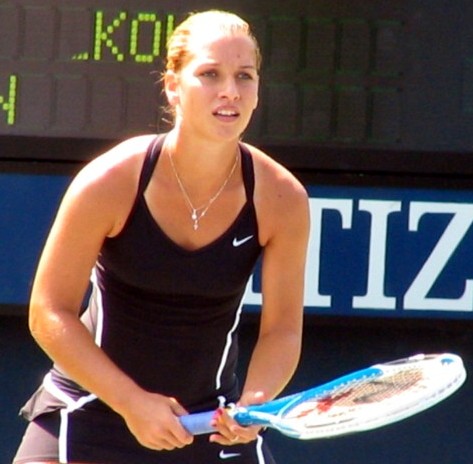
<point>171,84</point>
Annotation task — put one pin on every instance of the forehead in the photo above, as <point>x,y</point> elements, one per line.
<point>221,45</point>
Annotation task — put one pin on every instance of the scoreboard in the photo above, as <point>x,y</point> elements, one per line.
<point>361,74</point>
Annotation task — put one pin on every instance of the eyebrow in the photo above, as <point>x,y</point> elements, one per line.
<point>218,63</point>
<point>250,67</point>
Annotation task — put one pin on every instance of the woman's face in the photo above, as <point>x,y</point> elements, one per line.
<point>216,91</point>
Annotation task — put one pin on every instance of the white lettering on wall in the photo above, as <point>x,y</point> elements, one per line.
<point>381,213</point>
<point>312,296</point>
<point>416,295</point>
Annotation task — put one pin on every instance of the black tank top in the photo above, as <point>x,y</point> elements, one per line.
<point>168,316</point>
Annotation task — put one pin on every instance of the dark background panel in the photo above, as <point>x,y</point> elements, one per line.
<point>349,74</point>
<point>331,348</point>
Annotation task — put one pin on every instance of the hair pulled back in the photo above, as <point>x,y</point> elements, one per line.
<point>198,24</point>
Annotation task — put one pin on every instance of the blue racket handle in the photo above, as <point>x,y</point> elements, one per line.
<point>198,423</point>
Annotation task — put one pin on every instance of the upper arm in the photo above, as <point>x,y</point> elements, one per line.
<point>70,251</point>
<point>90,211</point>
<point>285,223</point>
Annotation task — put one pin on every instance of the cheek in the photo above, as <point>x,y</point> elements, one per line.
<point>256,101</point>
<point>202,96</point>
<point>191,99</point>
<point>252,95</point>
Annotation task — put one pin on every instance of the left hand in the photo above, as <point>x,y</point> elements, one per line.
<point>229,431</point>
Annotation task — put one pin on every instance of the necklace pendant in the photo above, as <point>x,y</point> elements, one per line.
<point>195,215</point>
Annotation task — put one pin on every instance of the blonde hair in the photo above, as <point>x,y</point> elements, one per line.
<point>178,50</point>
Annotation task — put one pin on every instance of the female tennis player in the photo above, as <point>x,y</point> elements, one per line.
<point>168,229</point>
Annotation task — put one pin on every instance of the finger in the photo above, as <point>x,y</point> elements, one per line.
<point>167,436</point>
<point>168,442</point>
<point>180,435</point>
<point>156,444</point>
<point>223,422</point>
<point>177,408</point>
<point>235,434</point>
<point>179,432</point>
<point>244,434</point>
<point>231,441</point>
<point>222,440</point>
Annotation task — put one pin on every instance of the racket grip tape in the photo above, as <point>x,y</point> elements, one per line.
<point>199,423</point>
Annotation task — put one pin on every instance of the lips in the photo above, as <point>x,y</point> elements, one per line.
<point>226,113</point>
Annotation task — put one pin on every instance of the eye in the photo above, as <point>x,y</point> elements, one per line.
<point>211,73</point>
<point>245,76</point>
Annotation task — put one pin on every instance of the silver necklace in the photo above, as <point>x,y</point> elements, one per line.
<point>198,213</point>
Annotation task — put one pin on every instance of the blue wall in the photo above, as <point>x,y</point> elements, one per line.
<point>384,252</point>
<point>28,204</point>
<point>336,340</point>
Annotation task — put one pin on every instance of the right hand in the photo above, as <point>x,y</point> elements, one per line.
<point>154,421</point>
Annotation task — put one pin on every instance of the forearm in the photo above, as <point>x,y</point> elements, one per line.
<point>273,362</point>
<point>69,344</point>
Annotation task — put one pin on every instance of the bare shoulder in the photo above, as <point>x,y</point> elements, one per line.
<point>274,181</point>
<point>117,164</point>
<point>281,199</point>
<point>106,186</point>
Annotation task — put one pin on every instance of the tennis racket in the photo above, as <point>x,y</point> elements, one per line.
<point>360,401</point>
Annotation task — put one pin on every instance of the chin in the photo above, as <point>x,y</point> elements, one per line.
<point>228,135</point>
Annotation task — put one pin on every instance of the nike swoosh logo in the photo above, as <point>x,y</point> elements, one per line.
<point>225,455</point>
<point>237,243</point>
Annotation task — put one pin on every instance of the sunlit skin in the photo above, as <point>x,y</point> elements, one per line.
<point>214,96</point>
<point>213,93</point>
<point>216,92</point>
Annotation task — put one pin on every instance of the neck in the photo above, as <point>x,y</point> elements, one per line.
<point>201,169</point>
<point>199,196</point>
<point>197,157</point>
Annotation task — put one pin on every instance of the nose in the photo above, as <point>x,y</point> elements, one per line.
<point>229,90</point>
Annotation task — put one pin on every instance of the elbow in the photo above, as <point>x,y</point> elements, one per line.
<point>36,323</point>
<point>43,324</point>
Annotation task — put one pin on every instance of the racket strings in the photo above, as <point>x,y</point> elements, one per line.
<point>383,389</point>
<point>372,398</point>
<point>360,392</point>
